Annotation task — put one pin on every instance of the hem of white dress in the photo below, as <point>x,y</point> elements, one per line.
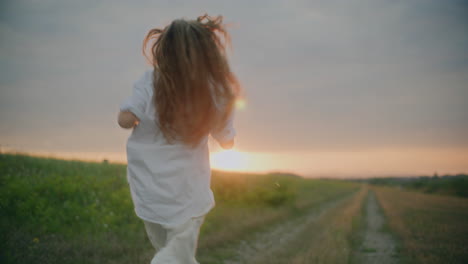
<point>212,205</point>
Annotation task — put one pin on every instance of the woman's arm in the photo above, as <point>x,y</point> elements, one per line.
<point>127,119</point>
<point>228,144</point>
<point>225,134</point>
<point>133,108</point>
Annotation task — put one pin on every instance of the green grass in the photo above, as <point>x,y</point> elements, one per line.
<point>369,250</point>
<point>57,211</point>
<point>453,185</point>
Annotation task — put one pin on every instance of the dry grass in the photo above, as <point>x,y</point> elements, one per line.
<point>333,243</point>
<point>329,239</point>
<point>230,222</point>
<point>433,228</point>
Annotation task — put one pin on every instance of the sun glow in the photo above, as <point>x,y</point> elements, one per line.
<point>230,160</point>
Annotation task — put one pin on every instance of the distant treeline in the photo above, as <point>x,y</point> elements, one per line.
<point>456,185</point>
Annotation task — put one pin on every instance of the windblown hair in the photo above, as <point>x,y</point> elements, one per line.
<point>194,88</point>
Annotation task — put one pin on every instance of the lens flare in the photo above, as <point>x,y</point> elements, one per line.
<point>241,104</point>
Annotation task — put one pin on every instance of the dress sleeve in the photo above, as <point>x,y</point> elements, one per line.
<point>226,132</point>
<point>140,97</point>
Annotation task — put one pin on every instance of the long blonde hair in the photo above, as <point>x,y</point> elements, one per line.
<point>192,77</point>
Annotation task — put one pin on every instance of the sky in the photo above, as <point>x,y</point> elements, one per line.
<point>349,88</point>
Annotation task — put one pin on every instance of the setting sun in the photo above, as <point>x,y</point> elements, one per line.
<point>240,161</point>
<point>230,160</point>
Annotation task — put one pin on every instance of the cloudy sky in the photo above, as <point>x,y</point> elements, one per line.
<point>350,88</point>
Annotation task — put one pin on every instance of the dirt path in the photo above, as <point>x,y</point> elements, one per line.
<point>264,243</point>
<point>378,246</point>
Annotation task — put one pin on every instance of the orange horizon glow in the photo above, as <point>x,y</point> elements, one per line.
<point>342,164</point>
<point>379,162</point>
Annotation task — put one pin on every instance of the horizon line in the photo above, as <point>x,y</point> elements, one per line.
<point>338,176</point>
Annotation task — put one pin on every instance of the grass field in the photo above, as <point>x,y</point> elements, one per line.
<point>432,228</point>
<point>453,185</point>
<point>56,211</point>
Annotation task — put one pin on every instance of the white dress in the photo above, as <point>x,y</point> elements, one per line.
<point>169,183</point>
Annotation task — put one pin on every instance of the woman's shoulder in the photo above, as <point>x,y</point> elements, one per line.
<point>145,81</point>
<point>146,77</point>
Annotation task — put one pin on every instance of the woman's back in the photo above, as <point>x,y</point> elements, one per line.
<point>188,95</point>
<point>170,181</point>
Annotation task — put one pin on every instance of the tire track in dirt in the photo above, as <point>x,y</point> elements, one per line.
<point>378,246</point>
<point>266,242</point>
